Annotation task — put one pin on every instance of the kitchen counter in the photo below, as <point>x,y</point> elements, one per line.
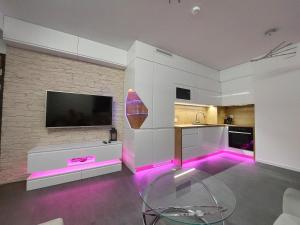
<point>209,125</point>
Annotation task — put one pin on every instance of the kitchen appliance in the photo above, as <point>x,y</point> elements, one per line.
<point>182,93</point>
<point>77,110</point>
<point>241,138</point>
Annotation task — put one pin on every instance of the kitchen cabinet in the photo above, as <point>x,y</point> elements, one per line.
<point>163,144</point>
<point>163,97</point>
<point>148,146</point>
<point>143,147</point>
<point>197,142</point>
<point>209,97</point>
<point>212,139</point>
<point>139,77</point>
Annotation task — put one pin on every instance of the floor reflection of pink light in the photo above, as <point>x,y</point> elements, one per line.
<point>217,156</point>
<point>151,166</point>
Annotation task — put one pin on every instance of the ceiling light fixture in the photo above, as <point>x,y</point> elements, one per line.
<point>195,10</point>
<point>283,49</point>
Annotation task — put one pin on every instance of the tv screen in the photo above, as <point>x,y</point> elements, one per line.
<point>76,110</point>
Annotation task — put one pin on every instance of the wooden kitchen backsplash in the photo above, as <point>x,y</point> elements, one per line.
<point>185,114</point>
<point>242,115</point>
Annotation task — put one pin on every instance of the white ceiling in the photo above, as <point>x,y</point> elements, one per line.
<point>225,33</point>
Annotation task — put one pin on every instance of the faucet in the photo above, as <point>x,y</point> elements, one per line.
<point>197,120</point>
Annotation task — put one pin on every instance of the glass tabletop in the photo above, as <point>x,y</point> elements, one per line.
<point>188,196</point>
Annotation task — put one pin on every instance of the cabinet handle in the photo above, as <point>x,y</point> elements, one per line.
<point>238,132</point>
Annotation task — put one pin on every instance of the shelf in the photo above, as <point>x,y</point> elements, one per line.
<point>136,111</point>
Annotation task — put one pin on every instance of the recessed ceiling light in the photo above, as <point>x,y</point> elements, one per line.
<point>195,10</point>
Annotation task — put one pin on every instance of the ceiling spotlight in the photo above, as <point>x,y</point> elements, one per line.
<point>195,10</point>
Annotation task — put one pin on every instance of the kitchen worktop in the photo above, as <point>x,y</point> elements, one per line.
<point>208,125</point>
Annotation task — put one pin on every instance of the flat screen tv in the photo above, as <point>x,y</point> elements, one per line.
<point>77,110</point>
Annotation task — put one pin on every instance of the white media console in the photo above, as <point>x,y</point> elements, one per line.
<point>57,164</point>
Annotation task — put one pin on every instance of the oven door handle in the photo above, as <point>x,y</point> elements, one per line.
<point>238,132</point>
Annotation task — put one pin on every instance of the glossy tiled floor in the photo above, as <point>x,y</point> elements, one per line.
<point>114,200</point>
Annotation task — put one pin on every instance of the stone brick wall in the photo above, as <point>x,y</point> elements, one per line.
<point>28,76</point>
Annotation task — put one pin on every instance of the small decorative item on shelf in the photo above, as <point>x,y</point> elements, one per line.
<point>113,134</point>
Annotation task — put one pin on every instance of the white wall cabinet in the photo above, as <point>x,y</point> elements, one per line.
<point>163,97</point>
<point>209,97</point>
<point>96,52</point>
<point>31,36</point>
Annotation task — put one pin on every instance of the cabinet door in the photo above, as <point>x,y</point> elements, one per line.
<point>143,145</point>
<point>209,97</point>
<point>143,87</point>
<point>163,97</point>
<point>164,144</point>
<point>212,139</point>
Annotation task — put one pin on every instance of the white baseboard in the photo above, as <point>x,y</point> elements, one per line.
<point>278,165</point>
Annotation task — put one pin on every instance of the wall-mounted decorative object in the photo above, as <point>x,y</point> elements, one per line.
<point>136,111</point>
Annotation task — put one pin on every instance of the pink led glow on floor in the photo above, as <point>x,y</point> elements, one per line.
<point>72,169</point>
<point>218,155</point>
<point>212,156</point>
<point>151,166</point>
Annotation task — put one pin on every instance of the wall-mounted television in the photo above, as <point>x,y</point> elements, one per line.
<point>77,110</point>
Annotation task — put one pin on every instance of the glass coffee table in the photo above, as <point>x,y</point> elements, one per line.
<point>187,196</point>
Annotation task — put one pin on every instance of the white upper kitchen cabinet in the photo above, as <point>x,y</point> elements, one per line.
<point>163,97</point>
<point>163,144</point>
<point>209,97</point>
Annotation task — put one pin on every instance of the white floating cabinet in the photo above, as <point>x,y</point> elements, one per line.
<point>34,37</point>
<point>96,52</point>
<point>51,165</point>
<point>19,32</point>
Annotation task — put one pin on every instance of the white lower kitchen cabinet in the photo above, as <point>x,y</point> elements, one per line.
<point>197,142</point>
<point>212,138</point>
<point>147,147</point>
<point>163,144</point>
<point>143,147</point>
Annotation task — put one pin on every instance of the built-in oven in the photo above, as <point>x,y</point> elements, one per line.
<point>241,138</point>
